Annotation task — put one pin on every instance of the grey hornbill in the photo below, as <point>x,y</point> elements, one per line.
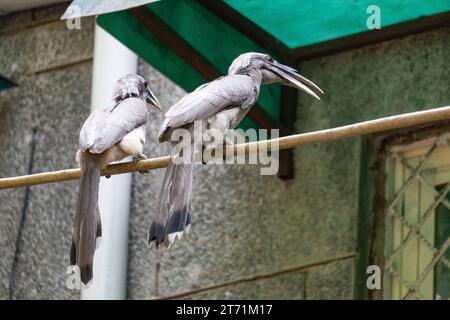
<point>108,134</point>
<point>220,104</point>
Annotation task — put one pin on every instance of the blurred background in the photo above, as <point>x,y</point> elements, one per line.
<point>310,232</point>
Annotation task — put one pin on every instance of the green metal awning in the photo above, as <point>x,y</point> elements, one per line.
<point>303,23</point>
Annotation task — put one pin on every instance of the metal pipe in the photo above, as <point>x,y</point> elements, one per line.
<point>352,130</point>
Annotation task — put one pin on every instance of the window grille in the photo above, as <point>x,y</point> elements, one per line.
<point>417,263</point>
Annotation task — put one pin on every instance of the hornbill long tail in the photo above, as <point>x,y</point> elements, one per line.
<point>173,219</point>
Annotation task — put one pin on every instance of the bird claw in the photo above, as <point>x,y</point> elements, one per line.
<point>139,157</point>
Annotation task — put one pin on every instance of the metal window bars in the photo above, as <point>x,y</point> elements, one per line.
<point>412,231</point>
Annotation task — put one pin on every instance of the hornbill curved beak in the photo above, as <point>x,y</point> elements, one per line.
<point>151,99</point>
<point>289,76</point>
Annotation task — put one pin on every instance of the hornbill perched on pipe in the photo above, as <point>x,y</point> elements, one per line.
<point>220,104</point>
<point>108,134</point>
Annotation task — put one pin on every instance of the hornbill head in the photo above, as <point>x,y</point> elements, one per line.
<point>133,85</point>
<point>273,71</point>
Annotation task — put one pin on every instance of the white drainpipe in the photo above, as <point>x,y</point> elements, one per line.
<point>111,61</point>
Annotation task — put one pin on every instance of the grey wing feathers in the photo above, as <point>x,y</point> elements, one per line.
<point>106,127</point>
<point>207,100</point>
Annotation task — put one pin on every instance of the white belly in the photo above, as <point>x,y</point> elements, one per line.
<point>133,142</point>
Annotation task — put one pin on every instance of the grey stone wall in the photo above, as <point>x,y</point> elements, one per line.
<point>52,66</point>
<point>252,236</point>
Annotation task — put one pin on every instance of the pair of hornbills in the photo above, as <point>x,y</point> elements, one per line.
<point>113,133</point>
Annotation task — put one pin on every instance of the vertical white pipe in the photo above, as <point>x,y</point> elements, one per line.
<point>111,61</point>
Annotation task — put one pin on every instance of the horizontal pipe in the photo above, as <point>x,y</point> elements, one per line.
<point>352,130</point>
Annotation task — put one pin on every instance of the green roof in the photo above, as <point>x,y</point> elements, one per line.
<point>302,23</point>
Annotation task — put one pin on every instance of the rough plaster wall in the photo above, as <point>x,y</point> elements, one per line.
<point>52,66</point>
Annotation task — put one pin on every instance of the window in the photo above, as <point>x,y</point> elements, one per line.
<point>417,255</point>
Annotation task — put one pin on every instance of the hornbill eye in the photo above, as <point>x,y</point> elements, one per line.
<point>145,84</point>
<point>269,58</point>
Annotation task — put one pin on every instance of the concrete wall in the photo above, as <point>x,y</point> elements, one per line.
<point>252,236</point>
<point>52,66</point>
